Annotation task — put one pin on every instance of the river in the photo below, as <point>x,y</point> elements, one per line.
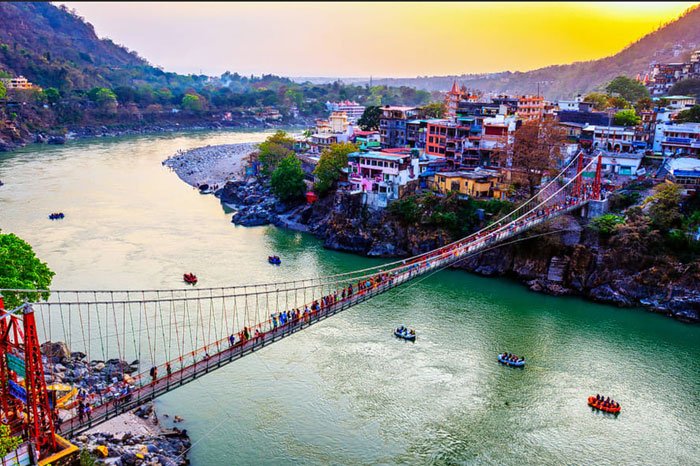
<point>346,391</point>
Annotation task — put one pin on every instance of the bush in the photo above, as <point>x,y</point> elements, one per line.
<point>619,201</point>
<point>606,224</point>
<point>406,209</point>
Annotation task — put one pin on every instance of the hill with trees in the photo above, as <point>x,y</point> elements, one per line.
<point>672,42</point>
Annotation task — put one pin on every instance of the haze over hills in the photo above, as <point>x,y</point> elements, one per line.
<point>671,43</point>
<point>53,47</point>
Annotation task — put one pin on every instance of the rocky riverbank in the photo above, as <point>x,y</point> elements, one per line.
<point>136,438</point>
<point>576,263</point>
<point>132,438</point>
<point>208,168</point>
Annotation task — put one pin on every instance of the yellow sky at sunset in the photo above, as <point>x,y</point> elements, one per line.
<point>379,39</point>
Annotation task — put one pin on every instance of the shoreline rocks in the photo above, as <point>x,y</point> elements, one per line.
<point>136,438</point>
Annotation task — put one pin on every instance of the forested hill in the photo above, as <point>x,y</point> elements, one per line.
<point>56,48</point>
<point>671,43</point>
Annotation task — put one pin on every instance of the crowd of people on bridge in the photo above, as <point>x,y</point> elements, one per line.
<point>405,270</point>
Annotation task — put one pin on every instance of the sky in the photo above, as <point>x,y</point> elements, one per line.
<point>360,39</point>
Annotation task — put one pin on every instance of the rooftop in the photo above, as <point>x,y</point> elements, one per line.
<point>377,155</point>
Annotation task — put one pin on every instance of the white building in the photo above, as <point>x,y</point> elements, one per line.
<point>677,102</point>
<point>381,175</point>
<point>352,109</point>
<point>678,139</point>
<point>335,129</point>
<point>619,163</point>
<point>570,105</point>
<point>614,138</point>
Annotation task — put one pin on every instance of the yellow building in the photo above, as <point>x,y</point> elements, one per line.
<point>19,82</point>
<point>480,183</point>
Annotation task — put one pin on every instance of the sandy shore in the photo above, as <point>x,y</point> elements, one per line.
<point>211,165</point>
<point>127,422</point>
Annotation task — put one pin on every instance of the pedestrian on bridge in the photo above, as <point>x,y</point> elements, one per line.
<point>168,369</point>
<point>232,340</point>
<point>154,374</point>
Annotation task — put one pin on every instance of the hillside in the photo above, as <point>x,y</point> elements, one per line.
<point>671,43</point>
<point>55,48</point>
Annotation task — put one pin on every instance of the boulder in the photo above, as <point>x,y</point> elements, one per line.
<point>55,351</point>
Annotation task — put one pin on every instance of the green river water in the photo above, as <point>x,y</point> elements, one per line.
<point>346,391</point>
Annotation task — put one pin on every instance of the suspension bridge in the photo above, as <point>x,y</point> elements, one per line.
<point>178,335</point>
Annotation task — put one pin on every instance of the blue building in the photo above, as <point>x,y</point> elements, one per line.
<point>392,125</point>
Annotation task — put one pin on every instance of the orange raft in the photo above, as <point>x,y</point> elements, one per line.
<point>592,402</point>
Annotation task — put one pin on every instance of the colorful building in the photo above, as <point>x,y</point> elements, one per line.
<point>531,107</point>
<point>392,125</point>
<point>478,183</point>
<point>20,82</point>
<point>679,139</point>
<point>384,174</point>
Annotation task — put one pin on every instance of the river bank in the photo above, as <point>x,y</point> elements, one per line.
<point>576,263</point>
<point>135,438</point>
<point>209,168</point>
<point>21,136</point>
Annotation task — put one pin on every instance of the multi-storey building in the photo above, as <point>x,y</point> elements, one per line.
<point>477,183</point>
<point>614,138</point>
<point>455,96</point>
<point>664,75</point>
<point>392,125</point>
<point>352,109</point>
<point>416,132</point>
<point>335,129</point>
<point>678,139</point>
<point>382,175</point>
<point>530,107</point>
<point>20,82</point>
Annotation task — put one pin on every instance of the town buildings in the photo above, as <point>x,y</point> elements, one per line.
<point>664,75</point>
<point>678,139</point>
<point>335,129</point>
<point>530,107</point>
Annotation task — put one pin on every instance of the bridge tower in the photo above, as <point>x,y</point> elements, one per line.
<point>598,176</point>
<point>21,358</point>
<point>578,184</point>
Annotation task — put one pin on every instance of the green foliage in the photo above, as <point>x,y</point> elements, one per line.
<point>408,210</point>
<point>627,117</point>
<point>275,148</point>
<point>192,103</point>
<point>629,89</point>
<point>689,86</point>
<point>664,206</point>
<point>606,224</point>
<point>369,120</point>
<point>3,90</point>
<point>331,164</point>
<point>435,110</point>
<point>458,216</point>
<point>287,180</point>
<point>21,269</point>
<point>618,102</point>
<point>8,443</point>
<point>598,99</point>
<point>620,200</point>
<point>52,95</point>
<point>86,459</point>
<point>691,115</point>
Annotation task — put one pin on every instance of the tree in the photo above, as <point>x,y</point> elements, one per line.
<point>627,117</point>
<point>8,443</point>
<point>21,269</point>
<point>369,121</point>
<point>598,99</point>
<point>435,110</point>
<point>618,102</point>
<point>536,150</point>
<point>287,180</point>
<point>664,206</point>
<point>275,148</point>
<point>691,115</point>
<point>52,95</point>
<point>192,103</point>
<point>628,88</point>
<point>690,86</point>
<point>3,90</point>
<point>333,160</point>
